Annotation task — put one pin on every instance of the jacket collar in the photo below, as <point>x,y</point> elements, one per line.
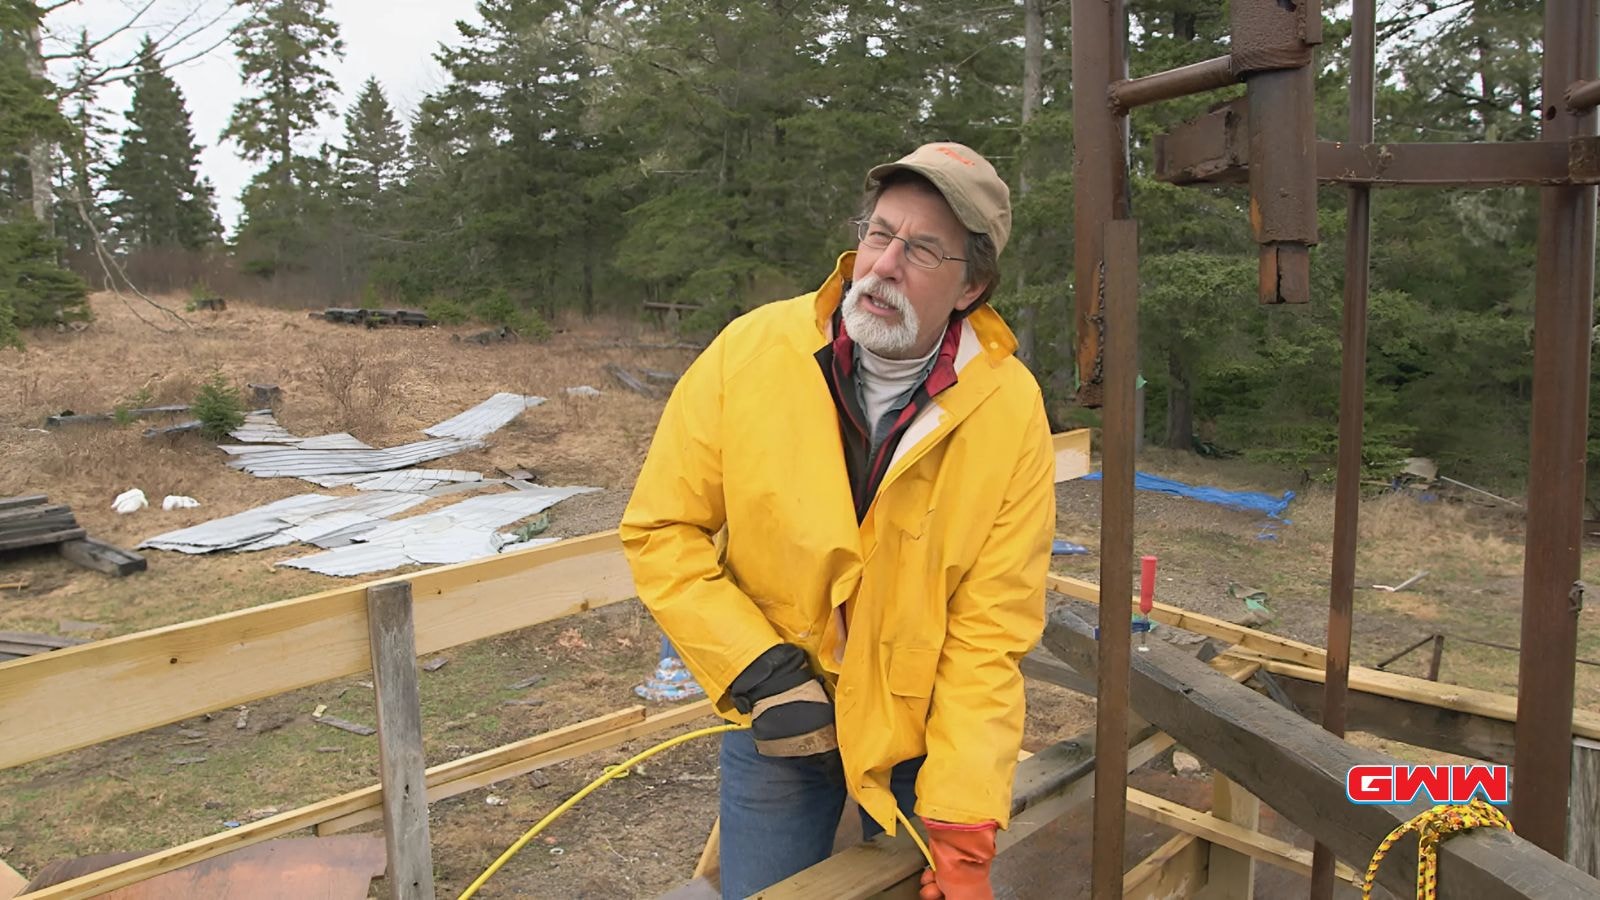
<point>983,332</point>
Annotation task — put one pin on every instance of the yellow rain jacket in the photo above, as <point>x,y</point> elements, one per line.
<point>945,576</point>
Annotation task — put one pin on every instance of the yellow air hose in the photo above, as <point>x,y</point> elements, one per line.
<point>617,772</point>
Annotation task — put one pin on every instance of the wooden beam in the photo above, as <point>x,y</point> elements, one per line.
<point>1421,724</point>
<point>1232,873</point>
<point>1048,784</point>
<point>511,760</point>
<point>102,557</point>
<point>1072,454</point>
<point>1230,836</point>
<point>1583,813</point>
<point>1274,753</point>
<point>1585,723</point>
<point>400,757</point>
<point>1176,869</point>
<point>107,689</point>
<point>1264,643</point>
<point>479,769</point>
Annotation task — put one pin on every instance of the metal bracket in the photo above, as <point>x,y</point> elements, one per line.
<point>1575,596</point>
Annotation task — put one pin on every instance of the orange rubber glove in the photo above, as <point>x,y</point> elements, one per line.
<point>962,854</point>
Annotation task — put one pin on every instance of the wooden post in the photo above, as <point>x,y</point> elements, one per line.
<point>391,631</point>
<point>1231,873</point>
<point>1583,811</point>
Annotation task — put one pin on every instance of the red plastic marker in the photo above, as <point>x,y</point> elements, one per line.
<point>1147,584</point>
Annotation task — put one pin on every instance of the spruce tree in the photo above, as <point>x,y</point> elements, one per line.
<point>161,200</point>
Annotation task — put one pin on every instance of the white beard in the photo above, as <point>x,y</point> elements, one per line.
<point>891,340</point>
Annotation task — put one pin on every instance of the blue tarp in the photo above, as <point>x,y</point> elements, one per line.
<point>1067,548</point>
<point>1248,501</point>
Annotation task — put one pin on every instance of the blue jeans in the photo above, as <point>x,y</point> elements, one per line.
<point>779,814</point>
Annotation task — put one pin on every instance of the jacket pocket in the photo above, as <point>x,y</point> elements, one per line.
<point>911,671</point>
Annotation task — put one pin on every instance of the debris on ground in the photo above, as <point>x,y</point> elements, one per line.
<point>485,338</point>
<point>1185,763</point>
<point>130,501</point>
<point>374,318</point>
<point>102,557</point>
<point>435,664</point>
<point>345,725</point>
<point>1256,613</point>
<point>1402,585</point>
<point>17,644</point>
<point>1067,548</point>
<point>1245,501</point>
<point>243,720</point>
<point>178,501</point>
<point>457,533</point>
<point>629,381</point>
<point>310,518</point>
<point>68,417</point>
<point>583,390</point>
<point>526,683</point>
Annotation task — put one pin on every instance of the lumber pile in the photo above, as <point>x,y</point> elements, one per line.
<point>33,521</point>
<point>375,318</point>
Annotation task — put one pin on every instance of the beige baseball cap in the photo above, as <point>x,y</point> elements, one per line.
<point>976,193</point>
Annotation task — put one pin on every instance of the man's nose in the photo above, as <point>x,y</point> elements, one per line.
<point>891,262</point>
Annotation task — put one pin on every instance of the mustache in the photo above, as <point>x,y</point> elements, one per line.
<point>886,293</point>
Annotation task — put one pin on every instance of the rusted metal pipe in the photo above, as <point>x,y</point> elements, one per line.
<point>1099,176</point>
<point>1562,328</point>
<point>1352,411</point>
<point>1583,96</point>
<point>1196,78</point>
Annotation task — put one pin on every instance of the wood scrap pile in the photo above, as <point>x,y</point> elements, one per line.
<point>374,318</point>
<point>33,521</point>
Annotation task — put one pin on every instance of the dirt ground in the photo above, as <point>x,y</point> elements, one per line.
<point>640,835</point>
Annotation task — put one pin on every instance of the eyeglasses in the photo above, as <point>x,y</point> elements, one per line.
<point>919,253</point>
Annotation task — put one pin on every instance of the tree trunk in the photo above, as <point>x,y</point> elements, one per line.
<point>1032,88</point>
<point>39,149</point>
<point>1180,405</point>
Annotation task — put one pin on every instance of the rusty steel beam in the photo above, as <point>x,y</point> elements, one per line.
<point>1214,148</point>
<point>1196,78</point>
<point>1583,96</point>
<point>1352,410</point>
<point>1099,176</point>
<point>1116,553</point>
<point>1271,51</point>
<point>1562,321</point>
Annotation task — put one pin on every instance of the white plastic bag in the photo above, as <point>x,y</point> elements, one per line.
<point>128,501</point>
<point>177,501</point>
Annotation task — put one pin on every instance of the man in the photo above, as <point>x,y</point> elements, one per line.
<point>844,526</point>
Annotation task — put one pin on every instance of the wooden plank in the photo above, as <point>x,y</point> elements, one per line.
<point>1585,723</point>
<point>1421,724</point>
<point>25,514</point>
<point>1274,753</point>
<point>1048,784</point>
<point>102,557</point>
<point>128,684</point>
<point>710,865</point>
<point>1072,454</point>
<point>23,500</point>
<point>493,766</point>
<point>1583,813</point>
<point>41,539</point>
<point>1267,644</point>
<point>401,765</point>
<point>1230,836</point>
<point>563,744</point>
<point>1231,873</point>
<point>11,882</point>
<point>1176,870</point>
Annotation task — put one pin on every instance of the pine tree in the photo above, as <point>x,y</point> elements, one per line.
<point>34,289</point>
<point>281,47</point>
<point>161,201</point>
<point>372,162</point>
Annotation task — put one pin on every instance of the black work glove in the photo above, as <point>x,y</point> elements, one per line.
<point>792,714</point>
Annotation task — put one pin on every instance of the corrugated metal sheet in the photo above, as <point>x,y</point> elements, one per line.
<point>297,463</point>
<point>341,441</point>
<point>456,533</point>
<point>415,480</point>
<point>263,428</point>
<point>486,418</point>
<point>308,518</point>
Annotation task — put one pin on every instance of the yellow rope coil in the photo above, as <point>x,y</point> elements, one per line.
<point>1432,827</point>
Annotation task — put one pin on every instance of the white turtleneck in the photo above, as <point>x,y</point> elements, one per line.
<point>885,385</point>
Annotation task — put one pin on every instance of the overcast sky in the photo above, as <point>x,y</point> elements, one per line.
<point>392,40</point>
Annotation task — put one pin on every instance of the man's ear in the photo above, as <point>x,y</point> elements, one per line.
<point>970,295</point>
